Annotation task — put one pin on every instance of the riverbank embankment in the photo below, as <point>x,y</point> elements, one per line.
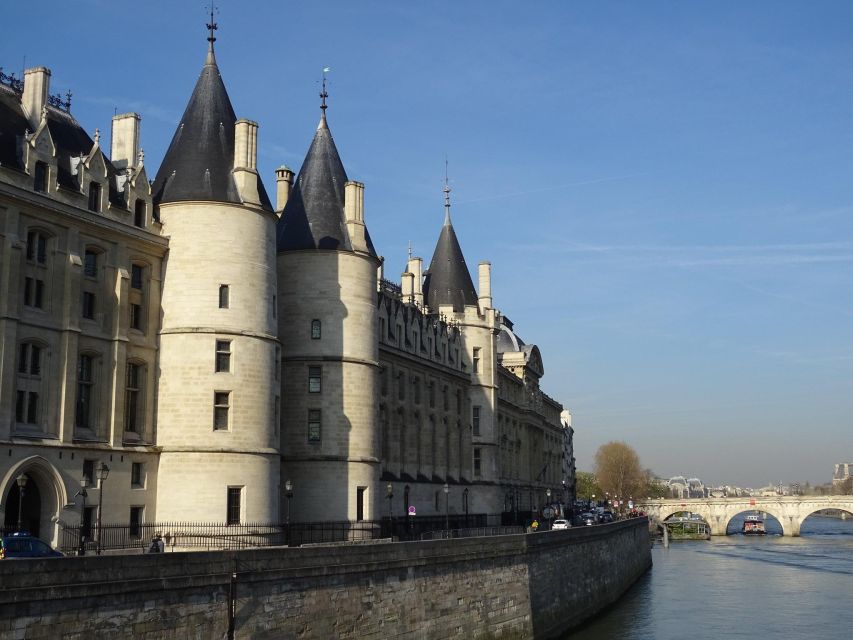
<point>520,586</point>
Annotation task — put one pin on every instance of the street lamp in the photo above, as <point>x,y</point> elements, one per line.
<point>446,507</point>
<point>102,473</point>
<point>288,491</point>
<point>389,494</point>
<point>81,542</point>
<point>548,502</point>
<point>22,483</point>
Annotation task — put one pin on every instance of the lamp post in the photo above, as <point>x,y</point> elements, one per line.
<point>446,507</point>
<point>592,506</point>
<point>22,483</point>
<point>465,504</point>
<point>548,501</point>
<point>389,489</point>
<point>288,491</point>
<point>81,542</point>
<point>102,473</point>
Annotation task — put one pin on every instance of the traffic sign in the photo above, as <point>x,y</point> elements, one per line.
<point>411,510</point>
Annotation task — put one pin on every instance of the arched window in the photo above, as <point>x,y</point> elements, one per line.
<point>316,329</point>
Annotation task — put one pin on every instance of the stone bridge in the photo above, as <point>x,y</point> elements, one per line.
<point>790,511</point>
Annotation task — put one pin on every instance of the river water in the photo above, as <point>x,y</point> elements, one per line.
<point>759,587</point>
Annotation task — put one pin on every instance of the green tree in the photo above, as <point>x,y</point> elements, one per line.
<point>586,485</point>
<point>618,470</point>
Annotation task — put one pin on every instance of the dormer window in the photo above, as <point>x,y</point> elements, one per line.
<point>94,196</point>
<point>40,177</point>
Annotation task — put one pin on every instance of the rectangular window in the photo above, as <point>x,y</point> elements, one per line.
<point>316,328</point>
<point>223,356</point>
<point>476,359</point>
<point>85,383</point>
<point>477,463</point>
<point>135,529</point>
<point>314,425</point>
<point>36,247</point>
<point>221,404</point>
<point>136,273</point>
<point>89,305</point>
<point>314,376</point>
<point>34,293</point>
<point>359,503</point>
<point>26,407</point>
<point>94,196</point>
<point>29,359</point>
<point>139,213</point>
<point>40,177</point>
<point>235,495</point>
<point>223,296</point>
<point>133,392</point>
<point>135,316</point>
<point>475,420</point>
<point>137,475</point>
<point>416,383</point>
<point>432,395</point>
<point>401,386</point>
<point>90,264</point>
<point>459,401</point>
<point>89,472</point>
<point>445,398</point>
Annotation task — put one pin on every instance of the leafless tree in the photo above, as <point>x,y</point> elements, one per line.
<point>618,470</point>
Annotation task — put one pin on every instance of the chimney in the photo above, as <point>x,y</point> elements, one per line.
<point>245,161</point>
<point>283,185</point>
<point>354,214</point>
<point>36,86</point>
<point>416,268</point>
<point>124,151</point>
<point>485,271</point>
<point>407,283</point>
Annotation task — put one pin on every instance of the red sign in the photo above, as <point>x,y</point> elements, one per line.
<point>752,502</point>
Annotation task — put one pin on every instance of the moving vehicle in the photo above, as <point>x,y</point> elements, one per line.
<point>560,524</point>
<point>753,525</point>
<point>588,519</point>
<point>22,545</point>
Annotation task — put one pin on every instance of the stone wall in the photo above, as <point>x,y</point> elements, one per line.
<point>522,586</point>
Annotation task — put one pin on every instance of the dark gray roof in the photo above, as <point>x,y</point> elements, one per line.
<point>200,160</point>
<point>447,281</point>
<point>313,217</point>
<point>70,139</point>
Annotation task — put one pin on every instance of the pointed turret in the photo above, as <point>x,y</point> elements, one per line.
<point>314,217</point>
<point>448,281</point>
<point>199,163</point>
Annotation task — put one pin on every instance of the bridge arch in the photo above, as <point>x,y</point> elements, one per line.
<point>810,510</point>
<point>734,512</point>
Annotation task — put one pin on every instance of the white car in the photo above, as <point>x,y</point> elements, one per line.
<point>560,524</point>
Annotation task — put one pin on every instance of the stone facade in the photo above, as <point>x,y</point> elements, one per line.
<point>522,586</point>
<point>170,333</point>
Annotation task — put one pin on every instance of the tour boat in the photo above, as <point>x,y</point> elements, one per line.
<point>753,525</point>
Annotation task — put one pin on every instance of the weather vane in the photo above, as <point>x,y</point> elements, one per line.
<point>212,26</point>
<point>324,94</point>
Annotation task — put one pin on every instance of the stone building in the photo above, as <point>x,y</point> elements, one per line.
<point>212,348</point>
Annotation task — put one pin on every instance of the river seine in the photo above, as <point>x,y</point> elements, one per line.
<point>757,587</point>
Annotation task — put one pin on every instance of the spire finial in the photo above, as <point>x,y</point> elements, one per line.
<point>211,27</point>
<point>446,195</point>
<point>410,250</point>
<point>324,94</point>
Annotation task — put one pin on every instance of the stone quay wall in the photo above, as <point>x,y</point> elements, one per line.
<point>535,585</point>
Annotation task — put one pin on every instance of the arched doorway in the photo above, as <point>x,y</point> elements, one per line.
<point>29,510</point>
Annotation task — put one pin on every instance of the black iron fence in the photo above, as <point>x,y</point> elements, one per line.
<point>213,536</point>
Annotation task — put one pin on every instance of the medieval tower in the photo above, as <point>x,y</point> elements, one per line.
<point>218,388</point>
<point>327,280</point>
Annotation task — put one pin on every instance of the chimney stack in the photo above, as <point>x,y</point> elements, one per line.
<point>36,86</point>
<point>245,161</point>
<point>354,214</point>
<point>407,284</point>
<point>416,268</point>
<point>124,150</point>
<point>283,185</point>
<point>485,298</point>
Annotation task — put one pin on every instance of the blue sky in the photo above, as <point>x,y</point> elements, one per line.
<point>663,188</point>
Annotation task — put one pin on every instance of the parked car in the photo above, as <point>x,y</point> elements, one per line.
<point>560,524</point>
<point>22,545</point>
<point>587,519</point>
<point>605,516</point>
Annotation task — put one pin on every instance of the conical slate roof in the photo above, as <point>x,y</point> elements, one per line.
<point>313,217</point>
<point>200,160</point>
<point>447,281</point>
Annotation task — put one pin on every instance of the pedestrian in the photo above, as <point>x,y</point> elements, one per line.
<point>535,525</point>
<point>156,545</point>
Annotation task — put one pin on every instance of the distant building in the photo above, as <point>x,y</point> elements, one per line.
<point>843,471</point>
